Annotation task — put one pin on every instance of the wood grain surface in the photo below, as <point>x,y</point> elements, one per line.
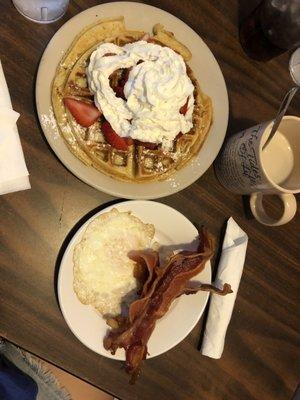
<point>261,356</point>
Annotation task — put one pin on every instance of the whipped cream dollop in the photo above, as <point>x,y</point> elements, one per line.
<point>155,91</point>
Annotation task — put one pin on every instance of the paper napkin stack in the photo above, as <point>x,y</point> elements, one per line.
<point>13,171</point>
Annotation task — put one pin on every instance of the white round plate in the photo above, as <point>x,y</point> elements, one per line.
<point>171,229</point>
<point>206,69</point>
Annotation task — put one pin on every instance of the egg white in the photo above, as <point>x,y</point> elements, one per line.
<point>103,273</point>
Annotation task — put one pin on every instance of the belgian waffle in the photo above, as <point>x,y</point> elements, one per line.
<point>138,163</point>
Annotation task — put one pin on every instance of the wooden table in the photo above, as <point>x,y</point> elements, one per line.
<point>260,359</point>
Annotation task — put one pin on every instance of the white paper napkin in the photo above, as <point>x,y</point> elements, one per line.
<point>13,171</point>
<point>229,271</point>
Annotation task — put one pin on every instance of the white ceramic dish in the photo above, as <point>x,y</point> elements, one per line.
<point>206,69</point>
<point>172,229</point>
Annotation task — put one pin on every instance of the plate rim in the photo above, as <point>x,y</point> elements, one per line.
<point>64,256</point>
<point>114,191</point>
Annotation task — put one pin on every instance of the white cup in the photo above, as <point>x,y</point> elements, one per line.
<point>42,11</point>
<point>244,168</point>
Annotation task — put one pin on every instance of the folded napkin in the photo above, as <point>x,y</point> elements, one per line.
<point>229,271</point>
<point>13,171</point>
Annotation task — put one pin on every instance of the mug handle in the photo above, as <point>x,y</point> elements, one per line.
<point>258,210</point>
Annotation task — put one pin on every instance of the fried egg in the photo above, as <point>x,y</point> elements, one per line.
<point>103,272</point>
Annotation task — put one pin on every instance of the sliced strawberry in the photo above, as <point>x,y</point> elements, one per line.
<point>125,75</point>
<point>147,145</point>
<point>184,108</point>
<point>118,80</point>
<point>145,37</point>
<point>151,40</point>
<point>114,139</point>
<point>84,113</point>
<point>119,90</point>
<point>129,141</point>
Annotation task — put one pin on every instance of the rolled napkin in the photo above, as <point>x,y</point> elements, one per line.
<point>13,171</point>
<point>230,270</point>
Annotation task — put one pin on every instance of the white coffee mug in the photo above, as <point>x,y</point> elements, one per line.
<point>244,168</point>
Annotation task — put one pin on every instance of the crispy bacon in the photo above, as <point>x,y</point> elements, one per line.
<point>147,262</point>
<point>196,286</point>
<point>160,287</point>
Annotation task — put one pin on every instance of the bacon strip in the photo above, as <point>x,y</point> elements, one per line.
<point>194,287</point>
<point>147,262</point>
<point>161,287</point>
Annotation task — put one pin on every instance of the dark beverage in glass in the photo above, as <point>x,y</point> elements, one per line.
<point>271,29</point>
